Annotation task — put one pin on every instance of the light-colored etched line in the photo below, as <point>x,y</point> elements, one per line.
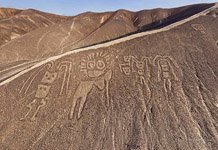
<point>28,18</point>
<point>128,38</point>
<point>68,66</point>
<point>66,37</point>
<point>43,134</point>
<point>17,66</point>
<point>31,78</point>
<point>113,140</point>
<point>14,70</point>
<point>72,26</point>
<point>20,65</point>
<point>39,15</point>
<point>42,37</point>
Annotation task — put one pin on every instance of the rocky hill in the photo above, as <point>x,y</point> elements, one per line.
<point>119,80</point>
<point>15,23</point>
<point>80,31</point>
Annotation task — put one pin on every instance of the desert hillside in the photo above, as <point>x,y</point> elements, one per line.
<point>121,80</point>
<point>42,35</point>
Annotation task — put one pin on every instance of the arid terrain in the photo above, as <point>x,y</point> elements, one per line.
<point>123,80</point>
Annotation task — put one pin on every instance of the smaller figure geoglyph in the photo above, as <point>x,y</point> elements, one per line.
<point>199,27</point>
<point>166,72</point>
<point>44,86</point>
<point>41,94</point>
<point>139,69</point>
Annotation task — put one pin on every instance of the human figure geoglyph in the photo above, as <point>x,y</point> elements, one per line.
<point>139,68</point>
<point>95,68</point>
<point>41,94</point>
<point>44,86</point>
<point>166,71</point>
